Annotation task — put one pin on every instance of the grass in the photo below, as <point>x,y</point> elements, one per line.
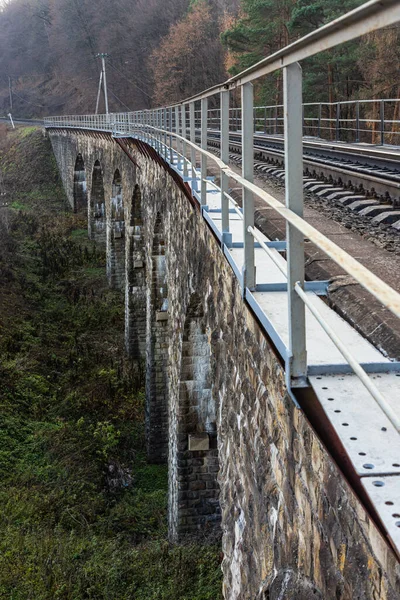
<point>82,514</point>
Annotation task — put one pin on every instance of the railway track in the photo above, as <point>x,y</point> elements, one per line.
<point>367,180</point>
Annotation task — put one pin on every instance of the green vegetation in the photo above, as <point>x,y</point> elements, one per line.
<point>82,514</point>
<point>267,25</point>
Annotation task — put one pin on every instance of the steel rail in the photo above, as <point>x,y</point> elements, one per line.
<point>354,172</point>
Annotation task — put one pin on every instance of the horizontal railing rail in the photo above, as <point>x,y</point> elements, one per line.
<point>180,132</point>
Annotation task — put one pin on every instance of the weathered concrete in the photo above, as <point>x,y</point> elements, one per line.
<point>292,528</point>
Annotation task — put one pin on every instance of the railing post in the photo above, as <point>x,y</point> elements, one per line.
<point>203,168</point>
<point>249,276</point>
<point>382,116</point>
<point>183,124</point>
<point>292,90</point>
<point>170,137</point>
<point>177,142</point>
<point>164,126</point>
<point>337,121</point>
<point>157,126</point>
<point>224,127</point>
<point>192,127</point>
<point>159,134</point>
<point>357,121</point>
<point>319,119</point>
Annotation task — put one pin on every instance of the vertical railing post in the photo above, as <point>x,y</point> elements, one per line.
<point>319,119</point>
<point>184,148</point>
<point>382,116</point>
<point>159,125</point>
<point>170,137</point>
<point>357,121</point>
<point>157,133</point>
<point>164,126</point>
<point>203,168</point>
<point>292,90</point>
<point>249,278</point>
<point>192,132</point>
<point>177,142</point>
<point>265,120</point>
<point>338,121</point>
<point>224,127</point>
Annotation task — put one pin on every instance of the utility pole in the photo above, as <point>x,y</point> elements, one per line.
<point>103,56</point>
<point>10,92</point>
<point>99,92</point>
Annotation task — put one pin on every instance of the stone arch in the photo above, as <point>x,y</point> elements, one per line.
<point>194,506</point>
<point>80,185</point>
<point>135,298</point>
<point>97,208</point>
<point>116,235</point>
<point>156,350</point>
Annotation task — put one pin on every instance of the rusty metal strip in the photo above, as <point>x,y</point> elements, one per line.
<point>151,153</point>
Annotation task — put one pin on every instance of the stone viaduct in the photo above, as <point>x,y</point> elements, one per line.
<point>244,462</point>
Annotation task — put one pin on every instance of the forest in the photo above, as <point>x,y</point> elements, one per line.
<point>161,51</point>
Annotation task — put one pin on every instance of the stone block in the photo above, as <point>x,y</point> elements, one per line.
<point>162,315</point>
<point>200,441</point>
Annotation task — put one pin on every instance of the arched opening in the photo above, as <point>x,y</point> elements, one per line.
<point>80,188</point>
<point>156,350</point>
<point>116,236</point>
<point>135,292</point>
<point>97,213</point>
<point>194,489</point>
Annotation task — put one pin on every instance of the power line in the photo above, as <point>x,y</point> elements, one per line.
<point>129,80</point>
<point>27,101</point>
<point>120,101</point>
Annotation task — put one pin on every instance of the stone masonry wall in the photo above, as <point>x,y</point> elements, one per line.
<point>292,528</point>
<point>156,349</point>
<point>97,207</point>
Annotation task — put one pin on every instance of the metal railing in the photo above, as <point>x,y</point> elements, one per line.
<point>369,121</point>
<point>172,132</point>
